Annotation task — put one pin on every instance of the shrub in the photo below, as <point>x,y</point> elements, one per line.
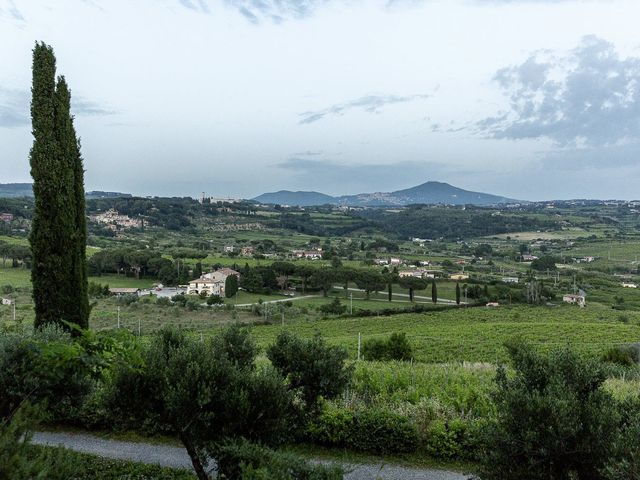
<point>554,419</point>
<point>179,299</point>
<point>624,462</point>
<point>7,289</point>
<point>215,300</point>
<point>382,432</point>
<point>625,355</point>
<point>332,427</point>
<point>333,308</point>
<point>369,430</point>
<point>242,460</point>
<point>163,301</point>
<point>314,368</point>
<point>127,299</point>
<point>44,366</point>
<point>396,347</point>
<point>450,439</point>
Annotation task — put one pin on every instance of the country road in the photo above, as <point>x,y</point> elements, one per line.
<point>169,456</point>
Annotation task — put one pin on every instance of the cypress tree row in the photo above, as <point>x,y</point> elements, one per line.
<point>58,232</point>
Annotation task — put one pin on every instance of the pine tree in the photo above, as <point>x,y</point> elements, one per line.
<point>457,293</point>
<point>58,233</point>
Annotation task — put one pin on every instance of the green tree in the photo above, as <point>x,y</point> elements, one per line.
<point>312,367</point>
<point>323,278</point>
<point>370,281</point>
<point>231,286</point>
<point>412,284</point>
<point>58,232</point>
<point>434,291</point>
<point>457,294</point>
<point>207,393</point>
<point>555,421</point>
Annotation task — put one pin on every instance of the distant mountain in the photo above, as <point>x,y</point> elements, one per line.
<point>14,190</point>
<point>429,193</point>
<point>298,199</point>
<point>101,194</point>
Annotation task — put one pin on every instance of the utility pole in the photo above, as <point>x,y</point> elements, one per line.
<point>118,317</point>
<point>359,343</point>
<point>351,306</point>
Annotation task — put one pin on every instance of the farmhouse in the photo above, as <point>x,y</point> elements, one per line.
<point>629,285</point>
<point>228,249</point>
<point>247,251</point>
<point>579,300</point>
<point>211,283</point>
<point>395,261</point>
<point>6,217</point>
<point>7,301</point>
<point>529,258</point>
<point>510,280</point>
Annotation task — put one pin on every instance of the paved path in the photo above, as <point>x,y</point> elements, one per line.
<point>177,457</point>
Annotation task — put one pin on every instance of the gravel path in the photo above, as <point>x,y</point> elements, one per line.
<point>168,456</point>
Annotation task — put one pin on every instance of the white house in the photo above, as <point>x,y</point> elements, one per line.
<point>211,283</point>
<point>7,301</point>
<point>629,285</point>
<point>510,280</point>
<point>579,300</point>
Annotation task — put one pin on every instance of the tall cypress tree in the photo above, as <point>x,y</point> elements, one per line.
<point>434,291</point>
<point>58,232</point>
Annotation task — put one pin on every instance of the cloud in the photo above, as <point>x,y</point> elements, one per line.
<point>15,109</point>
<point>589,97</point>
<point>369,103</point>
<point>87,108</point>
<point>8,9</point>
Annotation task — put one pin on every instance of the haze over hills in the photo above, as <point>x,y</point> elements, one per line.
<point>429,192</point>
<point>17,190</point>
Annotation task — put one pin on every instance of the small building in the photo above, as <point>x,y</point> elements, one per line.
<point>630,285</point>
<point>228,249</point>
<point>459,276</point>
<point>7,301</point>
<point>510,280</point>
<point>381,261</point>
<point>395,261</point>
<point>529,258</point>
<point>308,254</point>
<point>492,305</point>
<point>579,300</point>
<point>417,273</point>
<point>424,263</point>
<point>118,291</point>
<point>247,251</point>
<point>6,217</point>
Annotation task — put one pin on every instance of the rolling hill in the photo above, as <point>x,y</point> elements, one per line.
<point>429,193</point>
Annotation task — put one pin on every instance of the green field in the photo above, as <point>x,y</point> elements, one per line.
<point>477,334</point>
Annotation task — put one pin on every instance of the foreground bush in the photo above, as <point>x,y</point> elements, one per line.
<point>554,419</point>
<point>371,430</point>
<point>245,461</point>
<point>45,366</point>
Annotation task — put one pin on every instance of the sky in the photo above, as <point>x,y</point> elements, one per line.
<point>529,99</point>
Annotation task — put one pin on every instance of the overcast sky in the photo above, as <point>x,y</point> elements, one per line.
<point>530,99</point>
